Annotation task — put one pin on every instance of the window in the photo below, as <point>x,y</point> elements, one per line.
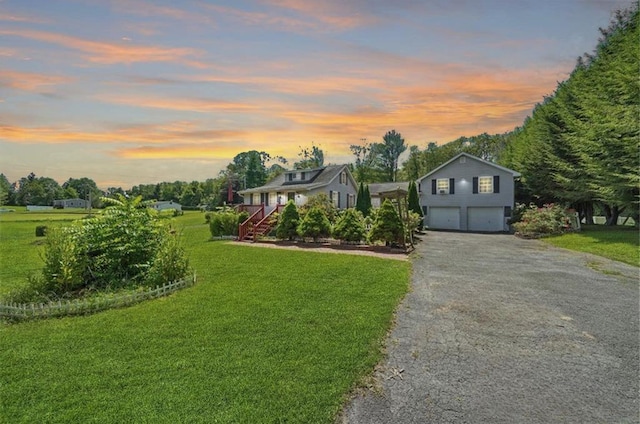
<point>485,185</point>
<point>343,178</point>
<point>335,198</point>
<point>291,196</point>
<point>303,176</point>
<point>443,186</point>
<point>290,177</point>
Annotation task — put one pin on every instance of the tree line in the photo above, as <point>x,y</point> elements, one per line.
<point>579,147</point>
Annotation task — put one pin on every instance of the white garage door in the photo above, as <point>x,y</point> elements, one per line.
<point>444,218</point>
<point>485,219</point>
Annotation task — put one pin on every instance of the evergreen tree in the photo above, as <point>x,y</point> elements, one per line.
<point>360,199</point>
<point>288,223</point>
<point>350,226</point>
<point>314,224</point>
<point>366,202</point>
<point>387,225</point>
<point>413,200</point>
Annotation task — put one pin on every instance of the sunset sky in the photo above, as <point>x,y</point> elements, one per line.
<point>142,91</point>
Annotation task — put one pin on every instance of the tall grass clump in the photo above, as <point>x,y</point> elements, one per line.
<point>127,246</point>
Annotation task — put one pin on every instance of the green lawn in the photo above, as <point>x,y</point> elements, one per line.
<point>617,243</point>
<point>265,335</point>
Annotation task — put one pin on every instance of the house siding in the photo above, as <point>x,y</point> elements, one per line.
<point>461,194</point>
<point>300,192</point>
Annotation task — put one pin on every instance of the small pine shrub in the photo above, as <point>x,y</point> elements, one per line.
<point>314,224</point>
<point>387,225</point>
<point>320,201</point>
<point>350,226</point>
<point>287,227</point>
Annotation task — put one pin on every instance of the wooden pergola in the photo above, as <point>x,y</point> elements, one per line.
<point>399,196</point>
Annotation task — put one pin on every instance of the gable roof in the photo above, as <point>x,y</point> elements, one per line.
<point>486,162</point>
<point>323,178</point>
<point>379,188</point>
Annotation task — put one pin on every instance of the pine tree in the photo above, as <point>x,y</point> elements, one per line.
<point>413,200</point>
<point>366,202</point>
<point>387,226</point>
<point>288,223</point>
<point>315,224</point>
<point>360,199</point>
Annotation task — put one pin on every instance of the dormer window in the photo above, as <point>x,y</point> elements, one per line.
<point>343,178</point>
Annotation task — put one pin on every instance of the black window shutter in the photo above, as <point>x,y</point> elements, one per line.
<point>338,200</point>
<point>452,186</point>
<point>496,183</point>
<point>475,185</point>
<point>433,186</point>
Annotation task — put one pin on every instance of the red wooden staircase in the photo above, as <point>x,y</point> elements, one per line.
<point>258,224</point>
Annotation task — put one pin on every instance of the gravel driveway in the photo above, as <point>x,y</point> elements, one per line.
<point>502,330</point>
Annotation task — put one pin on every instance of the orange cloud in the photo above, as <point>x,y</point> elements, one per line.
<point>110,53</point>
<point>29,81</point>
<point>192,151</point>
<point>336,15</point>
<point>173,132</point>
<point>186,104</point>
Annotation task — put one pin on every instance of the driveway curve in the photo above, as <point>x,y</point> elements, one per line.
<point>497,329</point>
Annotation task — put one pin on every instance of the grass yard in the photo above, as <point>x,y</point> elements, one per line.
<point>265,335</point>
<point>617,243</point>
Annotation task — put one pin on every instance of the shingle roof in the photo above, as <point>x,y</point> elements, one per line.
<point>377,188</point>
<point>324,177</point>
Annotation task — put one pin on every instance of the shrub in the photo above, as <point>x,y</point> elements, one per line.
<point>170,264</point>
<point>350,226</point>
<point>320,201</point>
<point>125,246</point>
<point>314,224</point>
<point>287,227</point>
<point>387,225</point>
<point>41,230</point>
<point>223,223</point>
<point>414,221</point>
<point>547,220</point>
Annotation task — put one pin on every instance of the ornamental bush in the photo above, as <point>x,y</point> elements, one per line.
<point>547,220</point>
<point>314,224</point>
<point>350,226</point>
<point>387,225</point>
<point>320,201</point>
<point>127,246</point>
<point>226,222</point>
<point>288,222</point>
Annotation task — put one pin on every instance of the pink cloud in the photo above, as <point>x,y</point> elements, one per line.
<point>110,53</point>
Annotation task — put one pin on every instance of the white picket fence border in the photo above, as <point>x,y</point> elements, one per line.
<point>28,311</point>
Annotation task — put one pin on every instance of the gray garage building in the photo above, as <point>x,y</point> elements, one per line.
<point>468,194</point>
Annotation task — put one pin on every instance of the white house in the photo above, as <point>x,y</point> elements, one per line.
<point>298,185</point>
<point>468,194</point>
<point>166,205</point>
<point>71,203</point>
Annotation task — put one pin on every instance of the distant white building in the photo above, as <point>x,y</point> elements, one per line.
<point>71,203</point>
<point>166,205</point>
